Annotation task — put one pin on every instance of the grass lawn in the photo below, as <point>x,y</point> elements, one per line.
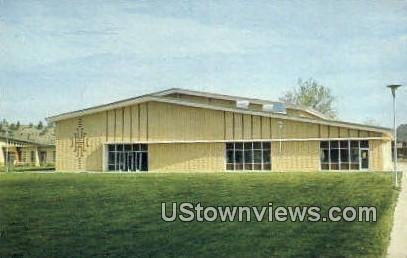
<point>119,215</point>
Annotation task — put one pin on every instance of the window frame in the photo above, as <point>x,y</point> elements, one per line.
<point>351,146</point>
<point>248,149</point>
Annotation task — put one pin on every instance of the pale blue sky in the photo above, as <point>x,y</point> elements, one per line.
<point>58,56</point>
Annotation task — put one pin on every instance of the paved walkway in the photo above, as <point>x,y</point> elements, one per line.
<point>398,241</point>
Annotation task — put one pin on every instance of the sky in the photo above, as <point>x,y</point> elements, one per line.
<point>59,56</point>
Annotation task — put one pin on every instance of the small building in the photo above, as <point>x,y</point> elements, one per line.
<point>179,130</point>
<point>20,152</point>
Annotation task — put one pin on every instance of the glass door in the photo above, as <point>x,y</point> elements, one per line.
<point>364,159</point>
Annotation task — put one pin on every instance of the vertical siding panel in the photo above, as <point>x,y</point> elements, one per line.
<point>111,125</point>
<point>324,131</point>
<point>247,127</point>
<point>229,125</point>
<point>143,122</point>
<point>265,131</point>
<point>257,127</point>
<point>238,126</point>
<point>334,132</point>
<point>119,125</point>
<point>343,132</point>
<point>126,124</point>
<point>135,126</point>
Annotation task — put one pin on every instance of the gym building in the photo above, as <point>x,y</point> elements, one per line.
<point>179,130</point>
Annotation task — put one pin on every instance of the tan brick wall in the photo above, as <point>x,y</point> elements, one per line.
<point>176,157</point>
<point>295,156</point>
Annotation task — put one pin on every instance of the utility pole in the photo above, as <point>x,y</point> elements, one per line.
<point>393,89</point>
<point>7,156</point>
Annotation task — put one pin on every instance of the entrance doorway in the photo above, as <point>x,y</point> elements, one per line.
<point>364,158</point>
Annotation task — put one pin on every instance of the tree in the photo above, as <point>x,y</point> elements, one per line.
<point>18,125</point>
<point>40,125</point>
<point>312,94</point>
<point>402,133</point>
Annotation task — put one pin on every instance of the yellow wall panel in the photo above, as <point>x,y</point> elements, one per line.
<point>185,157</point>
<point>265,128</point>
<point>238,121</point>
<point>127,124</point>
<point>143,121</point>
<point>247,127</point>
<point>229,125</point>
<point>119,124</point>
<point>295,156</point>
<point>111,125</point>
<point>256,127</point>
<point>135,125</point>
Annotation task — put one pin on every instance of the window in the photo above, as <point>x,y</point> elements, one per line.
<point>344,155</point>
<point>32,156</point>
<point>127,157</point>
<point>248,156</point>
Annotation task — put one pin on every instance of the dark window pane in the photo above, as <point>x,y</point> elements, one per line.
<point>248,156</point>
<point>266,145</point>
<point>239,166</point>
<point>143,147</point>
<point>266,156</point>
<point>344,155</point>
<point>324,145</point>
<point>344,144</point>
<point>247,145</point>
<point>127,147</point>
<point>325,166</point>
<point>111,167</point>
<point>354,166</point>
<point>239,156</point>
<point>364,144</point>
<point>229,156</point>
<point>119,147</point>
<point>239,145</point>
<point>354,155</point>
<point>229,146</point>
<point>257,156</point>
<point>334,166</point>
<point>257,145</point>
<point>111,158</point>
<point>112,147</point>
<point>334,144</point>
<point>334,155</point>
<point>325,156</point>
<point>257,167</point>
<point>354,144</point>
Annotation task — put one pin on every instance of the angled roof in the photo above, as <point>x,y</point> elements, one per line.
<point>24,141</point>
<point>161,97</point>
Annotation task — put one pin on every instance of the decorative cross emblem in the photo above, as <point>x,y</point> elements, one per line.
<point>79,142</point>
